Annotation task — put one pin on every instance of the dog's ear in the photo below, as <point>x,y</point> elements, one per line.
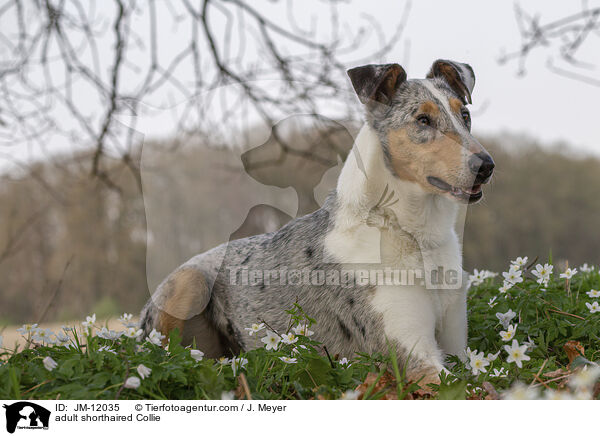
<point>460,77</point>
<point>376,83</point>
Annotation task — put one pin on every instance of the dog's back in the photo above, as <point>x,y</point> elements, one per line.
<point>215,295</point>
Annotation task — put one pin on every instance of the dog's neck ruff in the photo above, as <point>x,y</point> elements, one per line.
<point>428,217</point>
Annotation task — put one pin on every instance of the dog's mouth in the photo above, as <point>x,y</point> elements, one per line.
<point>470,195</point>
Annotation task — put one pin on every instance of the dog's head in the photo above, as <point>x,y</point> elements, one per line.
<point>425,128</point>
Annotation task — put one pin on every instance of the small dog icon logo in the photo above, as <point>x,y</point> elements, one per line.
<point>26,415</point>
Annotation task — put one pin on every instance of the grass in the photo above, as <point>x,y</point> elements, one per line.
<point>562,332</point>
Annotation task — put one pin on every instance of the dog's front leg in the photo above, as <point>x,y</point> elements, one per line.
<point>453,326</point>
<point>409,323</point>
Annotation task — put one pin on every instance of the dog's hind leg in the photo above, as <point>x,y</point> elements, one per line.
<point>180,303</point>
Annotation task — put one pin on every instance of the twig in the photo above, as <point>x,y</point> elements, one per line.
<point>551,380</point>
<point>242,380</point>
<point>268,326</point>
<point>124,381</point>
<point>56,291</point>
<point>329,357</point>
<point>538,374</point>
<point>566,313</point>
<point>489,388</point>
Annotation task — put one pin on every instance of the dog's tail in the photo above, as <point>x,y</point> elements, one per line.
<point>182,296</point>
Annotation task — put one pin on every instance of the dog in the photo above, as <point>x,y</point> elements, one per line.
<point>413,163</point>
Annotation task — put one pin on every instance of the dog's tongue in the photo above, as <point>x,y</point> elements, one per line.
<point>474,190</point>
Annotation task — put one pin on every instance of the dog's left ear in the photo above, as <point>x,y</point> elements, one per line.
<point>460,77</point>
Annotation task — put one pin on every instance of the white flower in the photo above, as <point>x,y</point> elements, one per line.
<point>89,321</point>
<point>239,362</point>
<point>476,278</point>
<point>289,338</point>
<point>62,338</point>
<point>513,277</point>
<point>127,320</point>
<point>143,371</point>
<point>227,395</point>
<point>107,349</point>
<point>569,273</point>
<point>132,383</point>
<point>132,332</point>
<point>350,395</point>
<point>255,328</point>
<point>492,302</point>
<point>585,268</point>
<point>585,377</point>
<point>302,330</point>
<point>551,394</point>
<point>543,273</point>
<point>491,357</point>
<point>155,337</point>
<point>470,353</point>
<point>509,333</point>
<point>27,329</point>
<point>271,341</point>
<point>505,318</point>
<point>49,363</point>
<point>594,307</point>
<point>582,394</point>
<point>478,363</point>
<point>516,353</point>
<point>344,361</point>
<point>286,359</point>
<point>519,261</point>
<point>296,351</point>
<point>505,287</point>
<point>44,335</point>
<point>592,293</point>
<point>197,355</point>
<point>520,391</point>
<point>499,373</point>
<point>530,344</point>
<point>111,335</point>
<point>223,360</point>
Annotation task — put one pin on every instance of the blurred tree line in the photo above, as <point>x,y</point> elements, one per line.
<point>71,244</point>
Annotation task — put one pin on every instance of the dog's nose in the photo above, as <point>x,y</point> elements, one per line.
<point>482,165</point>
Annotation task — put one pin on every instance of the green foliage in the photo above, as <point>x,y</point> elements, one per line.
<point>548,316</point>
<point>97,368</point>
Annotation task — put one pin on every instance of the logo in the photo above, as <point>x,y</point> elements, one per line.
<point>26,415</point>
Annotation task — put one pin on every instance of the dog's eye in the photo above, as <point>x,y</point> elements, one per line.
<point>424,120</point>
<point>466,118</point>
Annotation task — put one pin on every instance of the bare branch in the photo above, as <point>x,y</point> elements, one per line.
<point>73,69</point>
<point>563,38</point>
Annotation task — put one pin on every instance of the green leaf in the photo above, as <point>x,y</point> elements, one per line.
<point>453,391</point>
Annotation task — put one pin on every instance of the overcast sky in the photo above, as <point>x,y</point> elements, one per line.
<point>540,104</point>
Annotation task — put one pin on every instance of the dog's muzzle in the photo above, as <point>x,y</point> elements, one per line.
<point>481,166</point>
